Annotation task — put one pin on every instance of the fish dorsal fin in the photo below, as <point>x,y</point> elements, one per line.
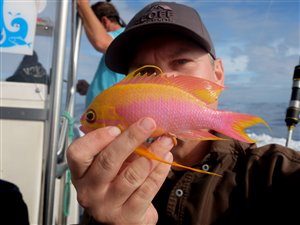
<point>203,89</point>
<point>145,74</point>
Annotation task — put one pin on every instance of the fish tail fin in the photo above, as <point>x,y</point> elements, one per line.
<point>236,123</point>
<point>149,155</point>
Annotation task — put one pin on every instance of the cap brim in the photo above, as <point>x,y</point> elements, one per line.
<point>119,53</point>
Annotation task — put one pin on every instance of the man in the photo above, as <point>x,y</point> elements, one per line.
<point>258,185</point>
<point>102,24</point>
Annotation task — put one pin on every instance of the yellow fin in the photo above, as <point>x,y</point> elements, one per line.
<point>205,90</point>
<point>236,123</point>
<point>108,112</point>
<point>145,153</point>
<point>109,116</point>
<point>240,127</point>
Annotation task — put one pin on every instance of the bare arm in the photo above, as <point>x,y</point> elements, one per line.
<point>95,31</point>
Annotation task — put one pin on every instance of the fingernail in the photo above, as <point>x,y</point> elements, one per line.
<point>114,131</point>
<point>169,157</point>
<point>166,141</point>
<point>147,124</point>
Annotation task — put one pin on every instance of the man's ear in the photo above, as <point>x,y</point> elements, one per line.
<point>219,71</point>
<point>105,21</point>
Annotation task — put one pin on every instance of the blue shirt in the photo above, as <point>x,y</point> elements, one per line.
<point>104,77</point>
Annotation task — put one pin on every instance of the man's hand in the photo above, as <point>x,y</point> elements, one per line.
<point>113,184</point>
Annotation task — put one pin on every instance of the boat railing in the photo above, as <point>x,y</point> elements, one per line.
<point>59,132</point>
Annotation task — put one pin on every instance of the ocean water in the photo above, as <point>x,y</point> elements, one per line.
<point>272,113</point>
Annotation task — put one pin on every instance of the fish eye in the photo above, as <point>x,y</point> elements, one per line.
<point>90,116</point>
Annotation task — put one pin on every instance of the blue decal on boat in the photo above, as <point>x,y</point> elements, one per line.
<point>16,36</point>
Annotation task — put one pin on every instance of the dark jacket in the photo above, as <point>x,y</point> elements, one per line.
<point>259,186</point>
<point>13,209</point>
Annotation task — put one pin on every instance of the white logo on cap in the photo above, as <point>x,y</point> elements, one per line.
<point>157,13</point>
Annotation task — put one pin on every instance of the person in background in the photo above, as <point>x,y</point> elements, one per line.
<point>30,70</point>
<point>259,185</point>
<point>102,24</point>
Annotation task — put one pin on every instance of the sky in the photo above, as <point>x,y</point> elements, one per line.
<point>258,41</point>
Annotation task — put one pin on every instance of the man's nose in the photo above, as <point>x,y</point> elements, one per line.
<point>159,68</point>
<point>171,73</point>
<point>168,72</point>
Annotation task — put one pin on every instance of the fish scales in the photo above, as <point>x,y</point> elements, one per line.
<point>179,105</point>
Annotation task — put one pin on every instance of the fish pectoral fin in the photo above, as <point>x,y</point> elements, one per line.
<point>109,116</point>
<point>202,135</point>
<point>108,112</point>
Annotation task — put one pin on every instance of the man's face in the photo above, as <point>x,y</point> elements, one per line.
<point>178,56</point>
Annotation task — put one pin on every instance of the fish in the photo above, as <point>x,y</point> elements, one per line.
<point>178,104</point>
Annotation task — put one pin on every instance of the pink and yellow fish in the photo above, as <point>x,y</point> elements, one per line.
<point>179,105</point>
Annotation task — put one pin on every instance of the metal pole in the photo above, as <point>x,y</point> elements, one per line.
<point>72,75</point>
<point>55,102</point>
<point>290,135</point>
<point>72,79</point>
<point>293,111</point>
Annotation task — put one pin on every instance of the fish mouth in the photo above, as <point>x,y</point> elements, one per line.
<point>85,129</point>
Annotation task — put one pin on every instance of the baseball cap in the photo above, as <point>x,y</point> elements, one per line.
<point>154,19</point>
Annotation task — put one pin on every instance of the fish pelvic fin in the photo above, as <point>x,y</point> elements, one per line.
<point>236,123</point>
<point>149,155</point>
